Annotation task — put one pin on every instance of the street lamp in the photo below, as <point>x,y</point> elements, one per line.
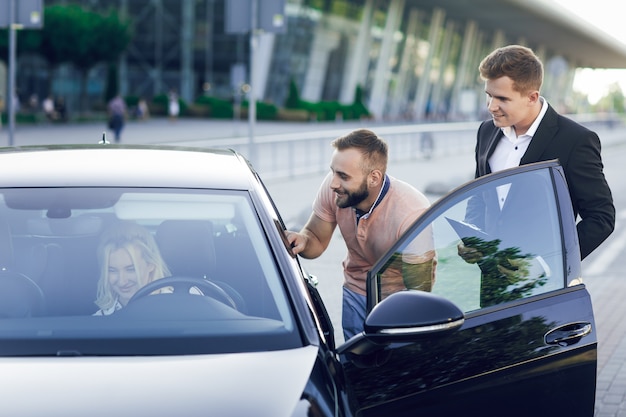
<point>254,17</point>
<point>25,14</point>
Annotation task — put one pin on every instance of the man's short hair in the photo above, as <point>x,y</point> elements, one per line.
<point>517,62</point>
<point>373,148</point>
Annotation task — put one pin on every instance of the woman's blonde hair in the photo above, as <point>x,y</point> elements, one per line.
<point>138,242</point>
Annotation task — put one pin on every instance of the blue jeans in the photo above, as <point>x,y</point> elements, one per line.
<point>353,315</point>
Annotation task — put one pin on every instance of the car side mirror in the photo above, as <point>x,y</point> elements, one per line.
<point>404,317</point>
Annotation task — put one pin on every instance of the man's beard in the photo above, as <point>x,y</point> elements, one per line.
<point>352,199</point>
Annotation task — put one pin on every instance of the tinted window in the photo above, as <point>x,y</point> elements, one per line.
<point>513,224</point>
<point>74,262</point>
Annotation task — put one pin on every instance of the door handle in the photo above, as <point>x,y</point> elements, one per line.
<point>568,334</point>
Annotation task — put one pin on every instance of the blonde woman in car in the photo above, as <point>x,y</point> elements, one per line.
<point>129,258</point>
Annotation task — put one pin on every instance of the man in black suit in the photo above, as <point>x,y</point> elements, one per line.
<point>524,128</point>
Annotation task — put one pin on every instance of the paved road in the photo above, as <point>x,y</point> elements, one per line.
<point>293,198</point>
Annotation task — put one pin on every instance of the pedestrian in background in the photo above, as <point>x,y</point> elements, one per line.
<point>143,112</point>
<point>49,110</point>
<point>117,116</point>
<point>60,108</point>
<point>173,107</point>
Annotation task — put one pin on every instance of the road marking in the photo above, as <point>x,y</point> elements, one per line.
<point>608,254</point>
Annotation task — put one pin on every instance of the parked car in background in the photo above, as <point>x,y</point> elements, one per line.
<point>237,328</point>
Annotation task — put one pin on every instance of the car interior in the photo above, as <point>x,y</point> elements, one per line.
<point>49,241</point>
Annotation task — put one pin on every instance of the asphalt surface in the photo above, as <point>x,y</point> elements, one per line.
<point>293,198</point>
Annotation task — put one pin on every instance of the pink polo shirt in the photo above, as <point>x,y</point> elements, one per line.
<point>376,233</point>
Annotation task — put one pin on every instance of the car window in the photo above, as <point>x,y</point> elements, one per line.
<point>202,258</point>
<point>512,226</point>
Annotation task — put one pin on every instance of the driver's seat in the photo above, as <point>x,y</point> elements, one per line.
<point>19,295</point>
<point>188,248</point>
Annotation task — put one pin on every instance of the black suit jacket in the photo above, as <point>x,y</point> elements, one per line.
<point>578,150</point>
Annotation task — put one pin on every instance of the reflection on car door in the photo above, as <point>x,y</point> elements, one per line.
<point>528,344</point>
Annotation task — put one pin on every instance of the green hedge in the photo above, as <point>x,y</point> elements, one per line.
<point>327,110</point>
<point>331,110</point>
<point>131,101</point>
<point>264,111</point>
<point>21,118</point>
<point>219,108</point>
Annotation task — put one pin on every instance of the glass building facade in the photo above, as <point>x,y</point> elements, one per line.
<point>410,62</point>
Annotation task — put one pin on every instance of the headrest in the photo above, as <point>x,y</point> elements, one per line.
<point>187,247</point>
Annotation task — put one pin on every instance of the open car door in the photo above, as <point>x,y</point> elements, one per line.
<point>527,345</point>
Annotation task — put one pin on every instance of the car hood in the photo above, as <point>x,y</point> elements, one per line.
<point>242,384</point>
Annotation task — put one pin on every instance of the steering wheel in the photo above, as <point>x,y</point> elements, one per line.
<point>183,285</point>
<point>19,296</point>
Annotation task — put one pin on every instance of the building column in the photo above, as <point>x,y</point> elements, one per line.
<point>556,77</point>
<point>123,61</point>
<point>569,99</point>
<point>498,39</point>
<point>400,107</point>
<point>357,66</point>
<point>440,107</point>
<point>380,86</point>
<point>187,29</point>
<point>264,62</point>
<point>208,47</point>
<point>156,72</point>
<point>473,83</point>
<point>424,84</point>
<point>325,41</point>
<point>546,87</point>
<point>459,100</point>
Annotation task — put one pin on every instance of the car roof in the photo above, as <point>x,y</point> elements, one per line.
<point>123,166</point>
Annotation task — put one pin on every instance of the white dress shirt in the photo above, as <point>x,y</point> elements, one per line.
<point>511,148</point>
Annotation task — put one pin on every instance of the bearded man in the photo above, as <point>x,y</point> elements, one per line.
<point>372,210</point>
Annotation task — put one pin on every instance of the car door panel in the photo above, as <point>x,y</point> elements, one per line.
<point>501,351</point>
<point>528,344</point>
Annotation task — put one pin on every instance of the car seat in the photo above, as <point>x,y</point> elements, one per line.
<point>20,296</point>
<point>188,248</point>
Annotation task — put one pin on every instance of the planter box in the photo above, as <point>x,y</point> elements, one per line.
<point>293,115</point>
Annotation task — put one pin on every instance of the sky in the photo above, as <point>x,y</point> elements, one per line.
<point>601,13</point>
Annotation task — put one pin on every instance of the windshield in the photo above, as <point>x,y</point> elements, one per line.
<point>112,271</point>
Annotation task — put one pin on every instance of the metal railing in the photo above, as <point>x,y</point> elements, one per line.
<point>295,154</point>
<point>289,155</point>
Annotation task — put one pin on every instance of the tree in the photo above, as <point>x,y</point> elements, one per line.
<point>74,35</point>
<point>613,101</point>
<point>359,107</point>
<point>27,41</point>
<point>293,99</point>
<point>112,82</point>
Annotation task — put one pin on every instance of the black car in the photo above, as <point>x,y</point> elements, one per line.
<point>210,314</point>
